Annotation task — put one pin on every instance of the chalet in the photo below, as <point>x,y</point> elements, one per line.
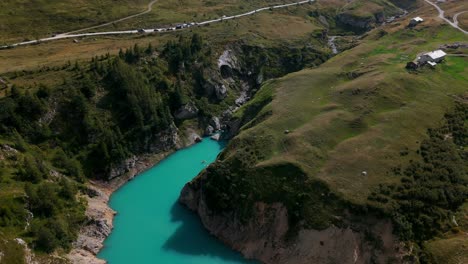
<point>435,56</point>
<point>414,21</point>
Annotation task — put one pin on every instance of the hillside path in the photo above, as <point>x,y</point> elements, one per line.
<point>149,9</point>
<point>455,17</point>
<point>442,16</point>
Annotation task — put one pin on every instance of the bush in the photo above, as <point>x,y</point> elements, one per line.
<point>46,239</point>
<point>30,171</point>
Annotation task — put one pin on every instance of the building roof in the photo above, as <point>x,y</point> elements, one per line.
<point>417,19</point>
<point>432,63</point>
<point>436,54</point>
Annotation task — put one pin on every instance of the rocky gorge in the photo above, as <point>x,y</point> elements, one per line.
<point>239,71</point>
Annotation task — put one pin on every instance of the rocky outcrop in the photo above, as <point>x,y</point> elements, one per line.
<point>123,167</point>
<point>29,256</point>
<point>361,23</point>
<point>164,141</point>
<point>187,111</point>
<point>265,235</point>
<point>99,225</point>
<point>209,130</point>
<point>216,137</point>
<point>215,123</point>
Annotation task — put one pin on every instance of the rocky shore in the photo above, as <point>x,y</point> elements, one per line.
<point>100,216</point>
<point>265,236</point>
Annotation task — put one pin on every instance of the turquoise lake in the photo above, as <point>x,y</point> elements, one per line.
<point>152,227</point>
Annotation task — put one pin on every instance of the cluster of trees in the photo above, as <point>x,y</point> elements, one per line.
<point>185,52</point>
<point>110,109</point>
<point>57,214</point>
<point>433,187</point>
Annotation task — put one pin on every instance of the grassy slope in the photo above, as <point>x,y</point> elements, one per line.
<point>452,247</point>
<point>29,19</point>
<point>263,28</point>
<point>342,126</point>
<point>358,112</point>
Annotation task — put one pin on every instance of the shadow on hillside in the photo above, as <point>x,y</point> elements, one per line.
<point>191,238</point>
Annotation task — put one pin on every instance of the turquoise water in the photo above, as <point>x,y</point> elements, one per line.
<point>152,227</point>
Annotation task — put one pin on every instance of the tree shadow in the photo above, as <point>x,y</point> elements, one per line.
<point>191,238</point>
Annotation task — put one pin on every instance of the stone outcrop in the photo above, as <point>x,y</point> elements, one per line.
<point>263,236</point>
<point>216,137</point>
<point>123,167</point>
<point>165,140</point>
<point>361,23</point>
<point>99,225</point>
<point>209,130</point>
<point>187,111</point>
<point>215,123</point>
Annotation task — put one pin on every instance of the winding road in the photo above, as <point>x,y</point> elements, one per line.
<point>442,16</point>
<point>455,17</point>
<point>73,34</point>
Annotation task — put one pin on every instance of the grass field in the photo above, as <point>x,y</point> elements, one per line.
<point>267,28</point>
<point>452,247</point>
<point>358,111</point>
<point>31,19</point>
<point>26,19</point>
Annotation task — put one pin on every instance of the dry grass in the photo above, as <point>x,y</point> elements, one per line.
<point>463,21</point>
<point>267,28</point>
<point>30,19</point>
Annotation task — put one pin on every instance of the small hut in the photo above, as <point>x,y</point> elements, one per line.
<point>414,21</point>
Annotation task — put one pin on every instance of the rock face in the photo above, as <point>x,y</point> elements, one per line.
<point>209,130</point>
<point>215,123</point>
<point>216,137</point>
<point>157,143</point>
<point>123,167</point>
<point>362,23</point>
<point>164,141</point>
<point>92,235</point>
<point>263,237</point>
<point>187,111</point>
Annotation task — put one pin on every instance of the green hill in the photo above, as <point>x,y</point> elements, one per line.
<point>357,129</point>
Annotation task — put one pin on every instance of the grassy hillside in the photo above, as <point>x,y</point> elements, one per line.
<point>360,109</point>
<point>30,19</point>
<point>264,28</point>
<point>27,19</point>
<point>343,128</point>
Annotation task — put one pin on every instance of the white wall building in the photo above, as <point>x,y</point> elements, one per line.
<point>435,56</point>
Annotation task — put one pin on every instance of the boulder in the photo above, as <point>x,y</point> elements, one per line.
<point>187,111</point>
<point>216,136</point>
